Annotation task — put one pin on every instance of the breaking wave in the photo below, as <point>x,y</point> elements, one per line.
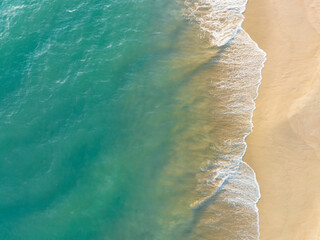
<point>227,187</point>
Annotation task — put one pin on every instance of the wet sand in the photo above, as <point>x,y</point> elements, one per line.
<point>284,148</point>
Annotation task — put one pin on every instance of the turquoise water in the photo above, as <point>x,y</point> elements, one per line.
<point>91,112</point>
<point>119,120</point>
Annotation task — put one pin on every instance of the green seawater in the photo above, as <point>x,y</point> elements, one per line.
<point>102,119</point>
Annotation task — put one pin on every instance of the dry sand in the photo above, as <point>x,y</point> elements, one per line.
<point>284,148</point>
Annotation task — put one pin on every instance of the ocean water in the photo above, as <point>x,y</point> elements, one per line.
<point>126,120</point>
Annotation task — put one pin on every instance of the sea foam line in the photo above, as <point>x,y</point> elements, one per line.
<point>218,19</point>
<point>227,186</point>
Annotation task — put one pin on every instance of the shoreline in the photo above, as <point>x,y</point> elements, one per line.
<point>284,148</point>
<point>228,185</point>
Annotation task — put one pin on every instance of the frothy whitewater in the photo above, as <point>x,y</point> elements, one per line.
<point>227,186</point>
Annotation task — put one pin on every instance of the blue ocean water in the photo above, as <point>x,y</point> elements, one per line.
<point>106,118</point>
<point>88,115</point>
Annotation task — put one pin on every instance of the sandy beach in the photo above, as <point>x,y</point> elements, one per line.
<point>284,148</point>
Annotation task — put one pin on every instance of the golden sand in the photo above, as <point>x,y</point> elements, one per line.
<point>284,148</point>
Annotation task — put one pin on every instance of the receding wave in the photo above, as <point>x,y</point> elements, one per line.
<point>228,190</point>
<point>220,20</point>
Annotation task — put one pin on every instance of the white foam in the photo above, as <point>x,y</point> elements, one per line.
<point>220,19</point>
<point>227,187</point>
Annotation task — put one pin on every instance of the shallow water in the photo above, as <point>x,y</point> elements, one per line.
<point>116,122</point>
